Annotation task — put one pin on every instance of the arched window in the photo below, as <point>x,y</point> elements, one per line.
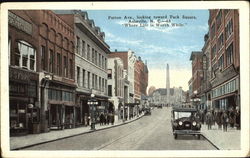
<point>27,56</point>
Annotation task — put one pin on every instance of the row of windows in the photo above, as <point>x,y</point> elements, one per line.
<point>60,95</point>
<point>225,89</point>
<point>84,78</point>
<point>90,54</point>
<point>58,68</point>
<point>24,56</point>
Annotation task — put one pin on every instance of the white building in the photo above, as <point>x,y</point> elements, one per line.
<point>116,85</point>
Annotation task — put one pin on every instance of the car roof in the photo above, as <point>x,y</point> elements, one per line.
<point>184,109</point>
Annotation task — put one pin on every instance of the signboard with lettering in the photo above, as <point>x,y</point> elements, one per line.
<point>19,23</point>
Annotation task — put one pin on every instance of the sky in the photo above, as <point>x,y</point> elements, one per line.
<point>158,37</point>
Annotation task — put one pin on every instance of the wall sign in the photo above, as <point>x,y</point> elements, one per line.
<point>19,23</point>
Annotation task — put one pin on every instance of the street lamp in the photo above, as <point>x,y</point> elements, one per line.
<point>92,102</point>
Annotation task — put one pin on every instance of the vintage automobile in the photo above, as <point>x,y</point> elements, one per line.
<point>184,122</point>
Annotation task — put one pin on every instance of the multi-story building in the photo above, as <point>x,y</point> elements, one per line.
<point>116,85</point>
<point>23,52</point>
<point>129,59</point>
<point>91,54</point>
<point>41,71</point>
<point>56,70</point>
<point>225,58</point>
<point>197,76</point>
<point>206,66</point>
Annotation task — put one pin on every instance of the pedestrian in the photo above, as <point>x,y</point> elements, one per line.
<point>231,118</point>
<point>112,119</point>
<point>218,119</point>
<point>209,120</point>
<point>224,120</point>
<point>237,119</point>
<point>101,119</point>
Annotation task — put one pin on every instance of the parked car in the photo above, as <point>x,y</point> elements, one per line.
<point>184,122</point>
<point>148,111</point>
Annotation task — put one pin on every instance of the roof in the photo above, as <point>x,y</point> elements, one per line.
<point>184,109</point>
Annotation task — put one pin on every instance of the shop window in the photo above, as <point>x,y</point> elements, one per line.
<point>25,57</point>
<point>18,114</point>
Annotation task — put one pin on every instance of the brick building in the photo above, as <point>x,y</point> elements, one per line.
<point>56,70</point>
<point>91,54</point>
<point>225,58</point>
<point>23,52</point>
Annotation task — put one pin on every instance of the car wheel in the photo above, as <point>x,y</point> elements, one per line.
<point>175,136</point>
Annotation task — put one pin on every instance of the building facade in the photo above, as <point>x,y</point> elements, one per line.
<point>91,55</point>
<point>23,52</point>
<point>225,58</point>
<point>116,85</point>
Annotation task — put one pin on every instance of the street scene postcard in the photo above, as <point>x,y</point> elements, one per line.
<point>125,79</point>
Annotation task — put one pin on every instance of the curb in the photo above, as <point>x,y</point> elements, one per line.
<point>210,141</point>
<point>90,131</point>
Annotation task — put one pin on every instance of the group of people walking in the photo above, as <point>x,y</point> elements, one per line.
<point>106,118</point>
<point>223,118</point>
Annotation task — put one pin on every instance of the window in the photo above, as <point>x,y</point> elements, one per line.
<point>71,68</point>
<point>65,66</point>
<point>96,58</point>
<point>83,78</point>
<point>105,66</point>
<point>229,54</point>
<point>51,60</point>
<point>103,62</point>
<point>220,42</point>
<point>77,45</point>
<point>109,73</point>
<point>226,11</point>
<point>229,28</point>
<point>43,57</point>
<point>212,31</point>
<point>83,48</point>
<point>218,19</point>
<point>100,82</point>
<point>110,90</point>
<point>93,55</point>
<point>105,87</point>
<point>100,61</point>
<point>93,81</point>
<point>25,57</point>
<point>58,67</point>
<point>88,80</point>
<point>78,76</point>
<point>96,82</point>
<point>221,62</point>
<point>88,52</point>
<point>213,51</point>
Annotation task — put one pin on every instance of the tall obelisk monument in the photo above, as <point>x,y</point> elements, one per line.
<point>168,84</point>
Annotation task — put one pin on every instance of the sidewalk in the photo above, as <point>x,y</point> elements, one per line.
<point>33,139</point>
<point>229,140</point>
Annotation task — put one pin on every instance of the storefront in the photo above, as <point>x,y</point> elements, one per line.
<point>24,110</point>
<point>226,96</point>
<point>61,106</point>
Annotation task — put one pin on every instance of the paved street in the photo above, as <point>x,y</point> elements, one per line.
<point>148,133</point>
